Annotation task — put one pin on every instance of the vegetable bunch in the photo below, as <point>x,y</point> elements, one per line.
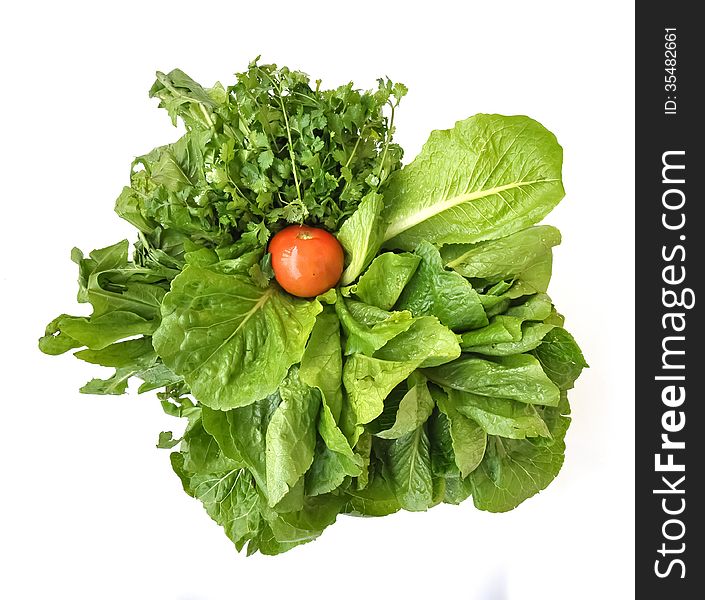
<point>438,368</point>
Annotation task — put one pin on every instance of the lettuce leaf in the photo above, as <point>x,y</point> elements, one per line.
<point>407,461</point>
<point>231,340</point>
<point>291,437</point>
<point>517,377</point>
<point>433,290</point>
<point>504,258</point>
<point>489,176</point>
<point>385,279</point>
<point>413,409</point>
<point>514,470</point>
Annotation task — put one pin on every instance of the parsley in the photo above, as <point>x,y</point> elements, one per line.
<point>267,151</point>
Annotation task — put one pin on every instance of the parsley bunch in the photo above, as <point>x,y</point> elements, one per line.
<point>267,151</point>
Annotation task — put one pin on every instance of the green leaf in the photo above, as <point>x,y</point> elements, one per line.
<point>457,489</point>
<point>241,434</point>
<point>535,308</point>
<point>385,279</point>
<point>113,284</point>
<point>367,339</point>
<point>413,410</point>
<point>503,336</point>
<point>361,236</point>
<point>125,298</point>
<point>560,358</point>
<point>183,97</point>
<point>232,341</point>
<point>200,451</point>
<point>555,318</point>
<point>231,500</point>
<point>514,470</point>
<point>121,354</point>
<point>322,361</point>
<point>505,258</point>
<point>442,453</point>
<point>291,436</point>
<point>408,464</point>
<point>327,472</point>
<point>302,526</point>
<point>489,176</point>
<point>376,500</point>
<point>426,342</point>
<point>227,491</point>
<point>166,440</point>
<point>502,328</point>
<point>498,416</point>
<point>131,358</point>
<point>443,294</point>
<point>367,314</point>
<point>368,382</point>
<point>180,165</point>
<point>322,368</point>
<point>336,441</point>
<point>99,332</point>
<point>363,450</point>
<point>468,436</point>
<point>531,336</point>
<point>518,377</point>
<point>55,341</point>
<point>157,376</point>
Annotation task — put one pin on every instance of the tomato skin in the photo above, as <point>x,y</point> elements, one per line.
<point>307,261</point>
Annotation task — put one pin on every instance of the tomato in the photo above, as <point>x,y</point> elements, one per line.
<point>307,261</point>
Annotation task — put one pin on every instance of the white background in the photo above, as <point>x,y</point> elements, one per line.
<point>91,508</point>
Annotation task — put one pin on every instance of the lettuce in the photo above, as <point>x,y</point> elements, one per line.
<point>231,340</point>
<point>436,372</point>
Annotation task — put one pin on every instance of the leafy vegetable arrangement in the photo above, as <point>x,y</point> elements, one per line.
<point>437,369</point>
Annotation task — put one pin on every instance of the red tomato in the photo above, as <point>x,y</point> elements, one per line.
<point>307,261</point>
